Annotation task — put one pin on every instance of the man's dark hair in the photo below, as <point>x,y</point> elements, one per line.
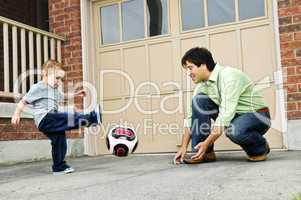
<point>199,56</point>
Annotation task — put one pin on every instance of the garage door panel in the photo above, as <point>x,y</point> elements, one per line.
<point>136,67</point>
<point>136,117</point>
<point>257,52</point>
<point>167,122</point>
<point>187,44</point>
<point>110,85</point>
<point>224,48</point>
<point>161,65</point>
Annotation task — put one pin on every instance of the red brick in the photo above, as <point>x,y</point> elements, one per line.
<point>297,36</point>
<point>284,4</point>
<point>286,37</point>
<point>299,87</point>
<point>290,28</point>
<point>291,88</point>
<point>285,20</point>
<point>294,115</point>
<point>291,62</point>
<point>291,106</point>
<point>299,106</point>
<point>76,54</point>
<point>297,19</point>
<point>298,52</point>
<point>294,79</point>
<point>288,54</point>
<point>291,45</point>
<point>294,97</point>
<point>289,11</point>
<point>296,2</point>
<point>290,71</point>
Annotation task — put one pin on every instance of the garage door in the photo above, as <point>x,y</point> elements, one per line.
<point>139,45</point>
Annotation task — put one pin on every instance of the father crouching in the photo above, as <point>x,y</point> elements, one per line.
<point>227,96</point>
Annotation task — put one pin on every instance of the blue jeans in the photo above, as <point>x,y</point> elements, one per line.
<point>54,125</point>
<point>246,129</point>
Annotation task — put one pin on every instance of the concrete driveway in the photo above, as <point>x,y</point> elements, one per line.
<point>154,177</point>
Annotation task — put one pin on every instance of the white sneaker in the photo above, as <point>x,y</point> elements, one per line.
<point>98,113</point>
<point>66,171</point>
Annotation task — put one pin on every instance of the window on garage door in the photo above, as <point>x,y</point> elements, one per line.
<point>132,20</point>
<point>197,14</point>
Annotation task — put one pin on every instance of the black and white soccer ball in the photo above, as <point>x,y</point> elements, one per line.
<point>121,140</point>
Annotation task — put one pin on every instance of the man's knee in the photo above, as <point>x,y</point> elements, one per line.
<point>233,132</point>
<point>201,103</point>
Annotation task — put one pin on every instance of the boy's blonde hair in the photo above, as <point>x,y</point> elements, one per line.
<point>50,64</point>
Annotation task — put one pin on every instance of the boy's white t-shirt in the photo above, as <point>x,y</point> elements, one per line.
<point>42,99</point>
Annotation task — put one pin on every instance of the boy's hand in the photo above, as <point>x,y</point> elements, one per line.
<point>80,93</point>
<point>15,120</point>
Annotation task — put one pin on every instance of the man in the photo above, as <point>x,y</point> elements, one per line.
<point>227,96</point>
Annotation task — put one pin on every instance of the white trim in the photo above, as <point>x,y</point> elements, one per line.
<point>31,28</point>
<point>88,61</point>
<point>280,83</point>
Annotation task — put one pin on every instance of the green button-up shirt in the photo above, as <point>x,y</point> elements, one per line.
<point>232,90</point>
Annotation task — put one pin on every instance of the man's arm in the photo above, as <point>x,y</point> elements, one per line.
<point>19,109</point>
<point>185,141</point>
<point>185,138</point>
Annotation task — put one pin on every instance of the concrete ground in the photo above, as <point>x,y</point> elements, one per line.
<point>154,177</point>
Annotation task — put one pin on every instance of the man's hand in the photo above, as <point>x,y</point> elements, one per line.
<point>15,120</point>
<point>202,148</point>
<point>80,93</point>
<point>178,159</point>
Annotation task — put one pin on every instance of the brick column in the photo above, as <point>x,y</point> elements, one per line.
<point>64,20</point>
<point>290,39</point>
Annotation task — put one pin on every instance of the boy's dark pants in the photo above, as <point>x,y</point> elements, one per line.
<point>54,125</point>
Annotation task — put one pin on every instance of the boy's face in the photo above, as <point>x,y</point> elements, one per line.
<point>197,74</point>
<point>55,77</point>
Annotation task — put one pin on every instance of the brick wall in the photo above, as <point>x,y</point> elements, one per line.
<point>290,39</point>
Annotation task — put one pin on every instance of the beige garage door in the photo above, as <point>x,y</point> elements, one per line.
<point>139,45</point>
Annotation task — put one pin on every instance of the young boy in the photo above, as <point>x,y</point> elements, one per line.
<point>44,98</point>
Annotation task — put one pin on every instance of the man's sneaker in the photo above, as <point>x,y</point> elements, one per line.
<point>260,157</point>
<point>66,171</point>
<point>98,113</point>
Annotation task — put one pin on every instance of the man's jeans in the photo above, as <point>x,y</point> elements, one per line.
<point>246,129</point>
<point>54,125</point>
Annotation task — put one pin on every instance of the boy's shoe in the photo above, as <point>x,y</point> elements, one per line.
<point>66,171</point>
<point>208,157</point>
<point>260,157</point>
<point>98,113</point>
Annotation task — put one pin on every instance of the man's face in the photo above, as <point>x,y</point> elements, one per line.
<point>197,74</point>
<point>55,77</point>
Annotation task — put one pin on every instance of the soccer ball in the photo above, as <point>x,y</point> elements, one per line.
<point>121,140</point>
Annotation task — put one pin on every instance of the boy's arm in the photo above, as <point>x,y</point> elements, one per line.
<point>16,116</point>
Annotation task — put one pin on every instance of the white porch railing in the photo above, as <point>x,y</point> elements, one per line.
<point>34,47</point>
